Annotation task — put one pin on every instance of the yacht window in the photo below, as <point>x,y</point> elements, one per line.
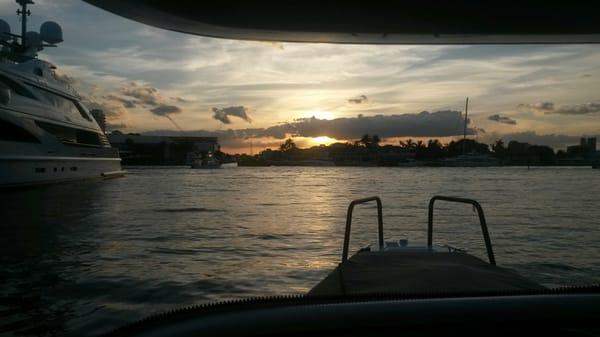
<point>38,71</point>
<point>16,87</point>
<point>83,111</point>
<point>62,103</point>
<point>72,136</point>
<point>13,133</point>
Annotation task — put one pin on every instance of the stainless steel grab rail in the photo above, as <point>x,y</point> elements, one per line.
<point>482,222</point>
<point>349,223</point>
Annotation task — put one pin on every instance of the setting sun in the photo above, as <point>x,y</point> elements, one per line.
<point>323,140</point>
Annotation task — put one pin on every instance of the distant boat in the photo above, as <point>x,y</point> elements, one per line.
<point>204,161</point>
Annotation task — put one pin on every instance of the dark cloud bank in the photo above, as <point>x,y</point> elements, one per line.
<point>502,119</point>
<point>423,124</point>
<point>358,100</point>
<point>567,109</point>
<point>163,110</point>
<point>133,95</point>
<point>223,114</point>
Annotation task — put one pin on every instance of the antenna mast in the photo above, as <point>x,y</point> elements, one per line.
<point>24,13</point>
<point>465,127</point>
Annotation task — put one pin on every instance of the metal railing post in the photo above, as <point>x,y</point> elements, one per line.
<point>482,222</point>
<point>430,224</point>
<point>349,223</point>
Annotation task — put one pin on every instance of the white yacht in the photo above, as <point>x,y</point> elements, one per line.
<point>46,134</point>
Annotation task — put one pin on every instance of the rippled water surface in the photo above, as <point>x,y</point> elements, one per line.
<point>85,258</point>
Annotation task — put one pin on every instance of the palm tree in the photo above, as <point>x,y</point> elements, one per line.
<point>434,144</point>
<point>407,145</point>
<point>289,145</point>
<point>366,140</point>
<point>375,140</point>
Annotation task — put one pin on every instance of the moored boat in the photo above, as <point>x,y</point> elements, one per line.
<point>47,135</point>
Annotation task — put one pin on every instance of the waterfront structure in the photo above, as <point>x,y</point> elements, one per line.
<point>137,149</point>
<point>586,149</point>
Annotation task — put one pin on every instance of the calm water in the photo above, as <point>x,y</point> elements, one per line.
<point>88,257</point>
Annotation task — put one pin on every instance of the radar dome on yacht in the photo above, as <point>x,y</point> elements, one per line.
<point>4,31</point>
<point>51,32</point>
<point>34,40</point>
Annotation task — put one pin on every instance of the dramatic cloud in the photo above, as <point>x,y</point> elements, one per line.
<point>423,124</point>
<point>145,95</point>
<point>164,110</point>
<point>236,111</point>
<point>112,109</point>
<point>568,109</point>
<point>502,119</point>
<point>358,100</point>
<point>282,83</point>
<point>127,103</point>
<point>578,109</point>
<point>544,107</point>
<point>121,104</point>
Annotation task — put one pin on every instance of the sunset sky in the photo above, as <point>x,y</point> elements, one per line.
<point>261,92</point>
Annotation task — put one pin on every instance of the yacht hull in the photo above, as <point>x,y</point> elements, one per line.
<point>34,170</point>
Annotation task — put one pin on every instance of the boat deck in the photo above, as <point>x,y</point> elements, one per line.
<point>418,272</point>
<point>395,267</point>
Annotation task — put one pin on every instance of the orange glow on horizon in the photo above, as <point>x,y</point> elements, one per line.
<point>323,140</point>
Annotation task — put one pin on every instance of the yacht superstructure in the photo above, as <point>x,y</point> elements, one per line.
<point>46,133</point>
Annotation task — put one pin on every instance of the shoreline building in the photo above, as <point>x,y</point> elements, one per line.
<point>585,151</point>
<point>137,149</point>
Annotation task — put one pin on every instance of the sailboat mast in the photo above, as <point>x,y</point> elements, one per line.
<point>465,127</point>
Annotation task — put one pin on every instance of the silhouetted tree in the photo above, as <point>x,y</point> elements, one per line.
<point>499,150</point>
<point>288,146</point>
<point>435,149</point>
<point>408,145</point>
<point>375,140</point>
<point>365,140</point>
<point>470,146</point>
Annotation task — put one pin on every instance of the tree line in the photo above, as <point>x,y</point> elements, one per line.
<point>369,150</point>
